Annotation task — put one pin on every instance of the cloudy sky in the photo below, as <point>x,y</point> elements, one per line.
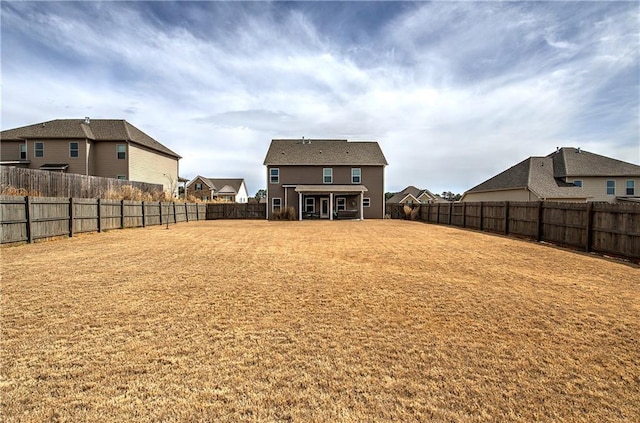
<point>454,92</point>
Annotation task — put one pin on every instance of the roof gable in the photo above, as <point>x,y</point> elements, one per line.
<point>324,152</point>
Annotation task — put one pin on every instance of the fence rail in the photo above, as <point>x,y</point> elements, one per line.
<point>606,228</point>
<point>25,219</point>
<point>66,185</point>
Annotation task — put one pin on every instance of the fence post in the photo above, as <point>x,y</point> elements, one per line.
<point>464,215</point>
<point>160,208</point>
<point>438,213</point>
<point>197,211</point>
<point>27,213</point>
<point>99,215</point>
<point>589,227</point>
<point>481,215</point>
<point>71,207</point>
<point>121,214</point>
<point>144,223</point>
<point>175,216</point>
<point>450,213</point>
<point>186,212</point>
<point>506,218</point>
<point>540,217</point>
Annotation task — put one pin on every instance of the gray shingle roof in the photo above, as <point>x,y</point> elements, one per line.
<point>324,152</point>
<point>96,129</point>
<point>411,190</point>
<point>569,161</point>
<point>535,174</point>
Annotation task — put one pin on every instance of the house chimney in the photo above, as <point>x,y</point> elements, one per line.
<point>87,120</point>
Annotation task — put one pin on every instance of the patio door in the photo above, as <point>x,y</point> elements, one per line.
<point>324,208</point>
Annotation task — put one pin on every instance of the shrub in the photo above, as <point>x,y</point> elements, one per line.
<point>288,213</point>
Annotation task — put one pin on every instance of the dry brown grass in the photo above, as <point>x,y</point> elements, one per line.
<point>316,321</point>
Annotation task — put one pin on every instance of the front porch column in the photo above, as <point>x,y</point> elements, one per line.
<point>300,205</point>
<point>361,205</point>
<point>330,206</point>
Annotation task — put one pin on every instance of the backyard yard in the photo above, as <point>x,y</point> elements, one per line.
<point>349,321</point>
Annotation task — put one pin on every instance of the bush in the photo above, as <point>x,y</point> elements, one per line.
<point>288,213</point>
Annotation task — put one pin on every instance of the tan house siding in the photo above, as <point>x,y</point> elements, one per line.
<point>597,186</point>
<point>148,166</point>
<point>10,151</point>
<point>55,151</point>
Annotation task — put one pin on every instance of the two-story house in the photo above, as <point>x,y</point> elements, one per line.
<point>325,179</point>
<point>568,174</point>
<point>108,148</point>
<point>230,190</point>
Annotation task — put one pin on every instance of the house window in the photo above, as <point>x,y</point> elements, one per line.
<point>122,177</point>
<point>366,202</point>
<point>198,186</point>
<point>631,188</point>
<point>38,149</point>
<point>577,183</point>
<point>23,151</point>
<point>355,175</point>
<point>274,176</point>
<point>276,204</point>
<point>74,149</point>
<point>327,175</point>
<point>122,151</point>
<point>310,205</point>
<point>341,204</point>
<point>611,187</point>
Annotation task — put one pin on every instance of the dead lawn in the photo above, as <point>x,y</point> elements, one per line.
<point>315,321</point>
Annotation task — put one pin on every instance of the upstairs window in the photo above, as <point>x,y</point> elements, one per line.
<point>23,152</point>
<point>38,149</point>
<point>122,151</point>
<point>355,175</point>
<point>577,183</point>
<point>74,149</point>
<point>611,187</point>
<point>198,186</point>
<point>631,187</point>
<point>327,175</point>
<point>274,175</point>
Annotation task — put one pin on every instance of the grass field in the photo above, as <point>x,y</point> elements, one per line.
<point>316,321</point>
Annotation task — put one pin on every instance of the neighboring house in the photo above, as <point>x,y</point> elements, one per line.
<point>109,148</point>
<point>325,178</point>
<point>568,174</point>
<point>413,195</point>
<point>229,190</point>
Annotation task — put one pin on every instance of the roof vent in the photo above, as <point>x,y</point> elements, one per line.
<point>87,120</point>
<point>578,150</point>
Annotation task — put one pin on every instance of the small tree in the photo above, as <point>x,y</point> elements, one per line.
<point>262,193</point>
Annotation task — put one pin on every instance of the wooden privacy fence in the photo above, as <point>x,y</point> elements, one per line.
<point>607,228</point>
<point>236,211</point>
<point>31,218</point>
<point>66,185</point>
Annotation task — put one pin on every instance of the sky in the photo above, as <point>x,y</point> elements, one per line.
<point>454,92</point>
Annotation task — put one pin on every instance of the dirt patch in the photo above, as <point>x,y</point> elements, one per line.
<point>316,321</point>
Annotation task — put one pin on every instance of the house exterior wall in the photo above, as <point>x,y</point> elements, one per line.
<point>597,186</point>
<point>203,194</point>
<point>55,151</point>
<point>148,166</point>
<point>502,195</point>
<point>105,162</point>
<point>371,176</point>
<point>242,196</point>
